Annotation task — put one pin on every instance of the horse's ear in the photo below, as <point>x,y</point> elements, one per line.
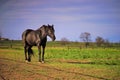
<point>48,25</point>
<point>52,25</point>
<point>43,25</point>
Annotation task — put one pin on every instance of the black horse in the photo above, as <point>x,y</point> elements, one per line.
<point>37,38</point>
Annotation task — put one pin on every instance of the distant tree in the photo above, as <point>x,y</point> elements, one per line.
<point>99,41</point>
<point>64,41</point>
<point>86,37</point>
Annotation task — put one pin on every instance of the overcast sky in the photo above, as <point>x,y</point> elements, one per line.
<point>70,17</point>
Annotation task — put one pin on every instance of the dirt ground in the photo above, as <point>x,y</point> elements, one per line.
<point>17,70</point>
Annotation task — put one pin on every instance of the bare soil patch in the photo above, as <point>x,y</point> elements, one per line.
<point>18,70</point>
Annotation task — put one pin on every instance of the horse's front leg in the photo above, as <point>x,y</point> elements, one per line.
<point>39,53</point>
<point>43,52</point>
<point>30,52</point>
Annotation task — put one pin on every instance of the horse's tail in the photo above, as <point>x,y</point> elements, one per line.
<point>30,53</point>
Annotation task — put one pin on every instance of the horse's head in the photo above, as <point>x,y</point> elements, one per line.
<point>51,32</point>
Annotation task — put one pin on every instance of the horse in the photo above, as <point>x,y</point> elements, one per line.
<point>37,38</point>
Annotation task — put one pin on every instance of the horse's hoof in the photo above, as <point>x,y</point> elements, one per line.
<point>42,62</point>
<point>39,62</point>
<point>26,61</point>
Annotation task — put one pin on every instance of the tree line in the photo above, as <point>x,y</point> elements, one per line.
<point>86,38</point>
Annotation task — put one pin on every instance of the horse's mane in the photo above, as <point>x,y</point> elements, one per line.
<point>41,27</point>
<point>45,27</point>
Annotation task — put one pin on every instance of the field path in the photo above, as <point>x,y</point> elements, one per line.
<point>17,70</point>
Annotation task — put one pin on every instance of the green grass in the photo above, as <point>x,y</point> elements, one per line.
<point>108,56</point>
<point>98,55</point>
<point>104,62</point>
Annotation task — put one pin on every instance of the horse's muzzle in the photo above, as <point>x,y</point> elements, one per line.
<point>53,39</point>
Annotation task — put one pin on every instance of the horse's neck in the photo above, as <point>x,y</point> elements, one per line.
<point>42,33</point>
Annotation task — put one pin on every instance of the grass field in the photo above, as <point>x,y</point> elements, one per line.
<point>61,63</point>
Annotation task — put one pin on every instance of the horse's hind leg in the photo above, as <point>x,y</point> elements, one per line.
<point>25,51</point>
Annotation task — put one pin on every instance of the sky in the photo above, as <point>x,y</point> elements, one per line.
<point>69,17</point>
